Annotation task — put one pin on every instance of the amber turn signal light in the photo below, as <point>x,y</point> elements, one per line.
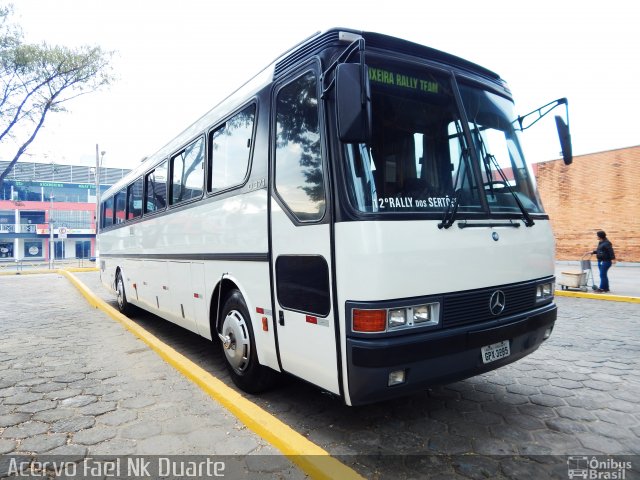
<point>369,320</point>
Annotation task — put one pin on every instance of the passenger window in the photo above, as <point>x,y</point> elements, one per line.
<point>156,189</point>
<point>134,199</point>
<point>187,173</point>
<point>120,206</point>
<point>107,213</point>
<point>298,174</point>
<point>230,146</point>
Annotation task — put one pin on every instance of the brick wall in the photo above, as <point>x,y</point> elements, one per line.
<point>599,191</point>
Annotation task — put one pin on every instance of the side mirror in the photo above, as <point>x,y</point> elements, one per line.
<point>353,103</point>
<point>565,140</point>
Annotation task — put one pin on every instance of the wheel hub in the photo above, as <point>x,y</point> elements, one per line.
<point>120,293</point>
<point>235,341</point>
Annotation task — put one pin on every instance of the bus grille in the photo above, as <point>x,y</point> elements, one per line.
<point>472,306</point>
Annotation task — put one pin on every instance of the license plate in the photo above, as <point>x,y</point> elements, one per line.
<point>496,351</point>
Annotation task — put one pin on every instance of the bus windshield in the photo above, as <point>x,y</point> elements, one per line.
<point>418,160</point>
<point>491,121</point>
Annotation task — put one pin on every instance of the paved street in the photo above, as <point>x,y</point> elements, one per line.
<point>577,395</point>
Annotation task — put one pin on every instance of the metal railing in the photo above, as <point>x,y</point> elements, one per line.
<point>20,265</point>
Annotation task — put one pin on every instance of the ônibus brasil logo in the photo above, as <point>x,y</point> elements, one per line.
<point>581,466</point>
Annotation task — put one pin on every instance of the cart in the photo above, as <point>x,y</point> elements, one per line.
<point>579,279</point>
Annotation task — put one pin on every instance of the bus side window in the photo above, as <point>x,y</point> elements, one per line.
<point>187,173</point>
<point>230,147</point>
<point>156,189</point>
<point>120,204</point>
<point>134,199</point>
<point>298,174</point>
<point>107,213</point>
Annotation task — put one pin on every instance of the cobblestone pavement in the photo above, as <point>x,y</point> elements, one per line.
<point>577,395</point>
<point>74,382</point>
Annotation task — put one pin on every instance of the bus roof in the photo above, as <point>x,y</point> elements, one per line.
<point>373,40</point>
<point>290,59</point>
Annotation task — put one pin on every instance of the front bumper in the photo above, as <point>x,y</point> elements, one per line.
<point>439,357</point>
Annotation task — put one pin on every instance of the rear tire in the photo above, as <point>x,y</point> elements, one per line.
<point>121,297</point>
<point>239,347</point>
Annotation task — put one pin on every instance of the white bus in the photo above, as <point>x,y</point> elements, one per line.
<point>359,215</point>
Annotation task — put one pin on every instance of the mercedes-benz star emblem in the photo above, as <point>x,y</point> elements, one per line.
<point>497,302</point>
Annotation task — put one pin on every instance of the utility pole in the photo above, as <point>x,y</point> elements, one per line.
<point>99,158</point>
<point>52,250</point>
<point>97,175</point>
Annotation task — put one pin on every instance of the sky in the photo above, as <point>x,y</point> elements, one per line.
<point>175,60</point>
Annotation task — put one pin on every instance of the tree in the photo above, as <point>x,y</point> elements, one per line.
<point>36,80</point>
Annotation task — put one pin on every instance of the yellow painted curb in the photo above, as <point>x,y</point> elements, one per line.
<point>28,272</point>
<point>42,271</point>
<point>81,269</point>
<point>597,296</point>
<point>312,459</point>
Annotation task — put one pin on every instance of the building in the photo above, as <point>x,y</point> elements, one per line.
<point>36,196</point>
<point>599,191</point>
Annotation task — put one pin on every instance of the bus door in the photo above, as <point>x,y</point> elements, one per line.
<point>300,237</point>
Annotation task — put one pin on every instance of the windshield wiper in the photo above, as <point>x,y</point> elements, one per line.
<point>489,159</point>
<point>452,207</point>
<point>450,212</point>
<point>526,218</point>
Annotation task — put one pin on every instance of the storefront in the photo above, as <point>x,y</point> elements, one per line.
<point>33,249</point>
<point>6,250</point>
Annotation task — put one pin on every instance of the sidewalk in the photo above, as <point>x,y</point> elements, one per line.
<point>624,277</point>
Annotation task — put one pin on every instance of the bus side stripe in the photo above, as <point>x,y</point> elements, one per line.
<point>237,257</point>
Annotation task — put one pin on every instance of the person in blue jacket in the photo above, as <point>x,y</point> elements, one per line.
<point>605,254</point>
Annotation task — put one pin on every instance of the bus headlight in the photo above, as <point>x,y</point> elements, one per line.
<point>422,314</point>
<point>428,314</point>
<point>418,316</point>
<point>397,318</point>
<point>392,319</point>
<point>545,291</point>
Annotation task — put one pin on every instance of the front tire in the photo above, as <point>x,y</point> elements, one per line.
<point>239,347</point>
<point>121,297</point>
